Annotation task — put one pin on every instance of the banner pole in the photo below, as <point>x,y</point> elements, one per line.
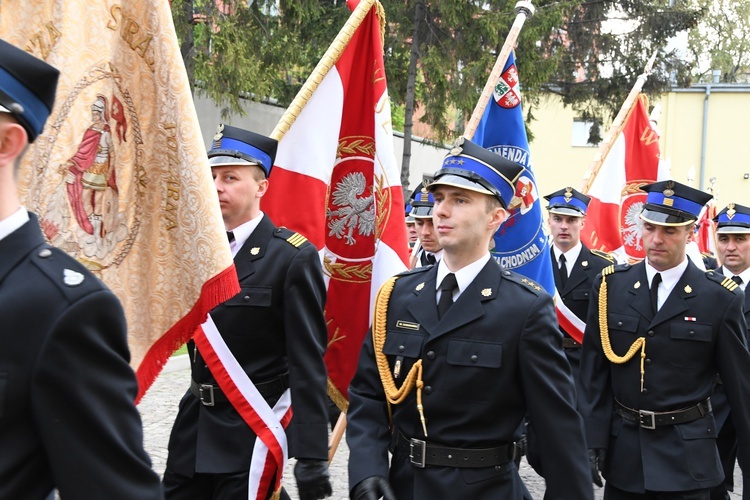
<point>329,59</point>
<point>614,130</point>
<point>524,9</point>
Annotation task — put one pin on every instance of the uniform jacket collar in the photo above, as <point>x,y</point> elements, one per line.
<point>254,248</point>
<point>17,245</point>
<point>677,302</point>
<point>468,307</point>
<point>578,274</point>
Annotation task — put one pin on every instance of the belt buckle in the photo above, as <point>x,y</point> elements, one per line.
<point>204,389</point>
<point>650,419</point>
<point>421,448</point>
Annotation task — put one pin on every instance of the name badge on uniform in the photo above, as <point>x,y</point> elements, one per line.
<point>407,324</point>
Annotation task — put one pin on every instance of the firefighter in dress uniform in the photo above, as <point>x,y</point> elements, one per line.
<point>733,248</point>
<point>68,420</point>
<point>458,353</point>
<point>656,335</point>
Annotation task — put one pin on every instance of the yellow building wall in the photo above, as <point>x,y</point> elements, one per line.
<point>558,164</point>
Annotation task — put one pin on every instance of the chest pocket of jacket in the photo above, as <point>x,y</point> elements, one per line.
<point>473,353</point>
<point>406,345</point>
<point>259,296</point>
<point>689,348</point>
<point>581,294</point>
<point>623,322</point>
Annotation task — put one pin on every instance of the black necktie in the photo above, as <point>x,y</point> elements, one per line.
<point>654,292</point>
<point>428,259</point>
<point>563,270</point>
<point>230,236</point>
<point>737,279</point>
<point>446,297</point>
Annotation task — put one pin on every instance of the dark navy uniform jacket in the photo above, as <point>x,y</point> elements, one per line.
<point>577,290</point>
<point>698,331</point>
<point>273,326</point>
<point>493,358</point>
<point>67,417</point>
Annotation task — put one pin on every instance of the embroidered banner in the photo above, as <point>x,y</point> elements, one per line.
<point>120,178</point>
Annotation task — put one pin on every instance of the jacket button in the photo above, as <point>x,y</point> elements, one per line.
<point>430,354</point>
<point>619,323</point>
<point>650,333</point>
<point>246,298</point>
<point>648,361</point>
<point>428,389</point>
<point>401,348</point>
<point>645,391</point>
<point>691,333</point>
<point>474,358</point>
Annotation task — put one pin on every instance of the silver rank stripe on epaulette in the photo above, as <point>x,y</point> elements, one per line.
<point>729,284</point>
<point>297,239</point>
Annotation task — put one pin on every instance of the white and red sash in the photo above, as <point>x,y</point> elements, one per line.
<point>270,449</point>
<point>572,324</point>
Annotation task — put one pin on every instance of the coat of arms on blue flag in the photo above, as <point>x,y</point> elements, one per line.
<point>521,243</point>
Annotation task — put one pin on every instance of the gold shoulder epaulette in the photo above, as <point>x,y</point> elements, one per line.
<point>603,255</point>
<point>608,270</point>
<point>296,240</point>
<point>729,284</point>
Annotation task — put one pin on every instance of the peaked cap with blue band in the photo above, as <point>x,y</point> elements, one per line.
<point>734,219</point>
<point>670,203</point>
<point>27,88</point>
<point>422,203</point>
<point>568,201</point>
<point>470,166</point>
<point>235,146</point>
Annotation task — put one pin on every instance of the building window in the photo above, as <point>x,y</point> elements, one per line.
<point>581,133</point>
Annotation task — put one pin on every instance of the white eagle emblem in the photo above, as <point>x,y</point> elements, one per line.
<point>356,212</point>
<point>632,229</point>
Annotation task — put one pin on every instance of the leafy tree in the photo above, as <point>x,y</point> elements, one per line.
<point>258,49</point>
<point>439,52</point>
<point>721,41</point>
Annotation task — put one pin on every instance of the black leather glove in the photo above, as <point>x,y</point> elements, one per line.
<point>596,461</point>
<point>312,478</point>
<point>373,488</point>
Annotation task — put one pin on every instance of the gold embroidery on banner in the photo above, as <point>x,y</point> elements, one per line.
<point>354,273</point>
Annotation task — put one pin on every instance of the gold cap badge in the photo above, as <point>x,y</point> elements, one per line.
<point>669,191</point>
<point>730,211</point>
<point>568,194</point>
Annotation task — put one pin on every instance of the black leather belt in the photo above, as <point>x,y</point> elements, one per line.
<point>653,419</point>
<point>210,394</point>
<point>423,453</point>
<point>569,343</point>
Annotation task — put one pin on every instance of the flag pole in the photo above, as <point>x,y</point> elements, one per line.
<point>329,59</point>
<point>617,125</point>
<point>524,9</point>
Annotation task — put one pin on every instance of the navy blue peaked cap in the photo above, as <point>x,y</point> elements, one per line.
<point>236,146</point>
<point>734,219</point>
<point>568,201</point>
<point>670,203</point>
<point>469,166</point>
<point>27,88</point>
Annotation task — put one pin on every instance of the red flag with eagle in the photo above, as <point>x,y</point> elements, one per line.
<point>612,221</point>
<point>120,178</point>
<point>336,181</point>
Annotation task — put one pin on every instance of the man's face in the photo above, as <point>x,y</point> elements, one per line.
<point>239,193</point>
<point>565,229</point>
<point>427,235</point>
<point>665,245</point>
<point>734,251</point>
<point>462,222</point>
<point>411,230</point>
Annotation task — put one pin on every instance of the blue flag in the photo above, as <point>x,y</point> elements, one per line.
<point>521,243</point>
